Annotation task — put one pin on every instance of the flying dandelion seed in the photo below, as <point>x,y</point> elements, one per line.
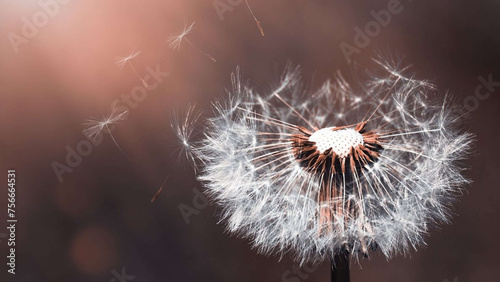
<point>255,19</point>
<point>157,194</point>
<point>94,127</point>
<point>122,61</point>
<point>184,128</point>
<point>339,171</point>
<point>174,41</point>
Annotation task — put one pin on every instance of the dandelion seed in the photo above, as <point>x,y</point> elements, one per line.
<point>94,127</point>
<point>255,19</point>
<point>122,61</point>
<point>329,173</point>
<point>184,128</point>
<point>174,41</point>
<point>157,194</point>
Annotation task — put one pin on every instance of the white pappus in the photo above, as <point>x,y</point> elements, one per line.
<point>341,169</point>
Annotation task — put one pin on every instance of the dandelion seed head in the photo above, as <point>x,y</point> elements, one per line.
<point>315,174</point>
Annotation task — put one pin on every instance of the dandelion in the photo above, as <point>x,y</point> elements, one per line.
<point>343,170</point>
<point>122,61</point>
<point>174,41</point>
<point>259,26</point>
<point>95,126</point>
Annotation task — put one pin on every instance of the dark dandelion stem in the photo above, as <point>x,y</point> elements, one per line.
<point>340,268</point>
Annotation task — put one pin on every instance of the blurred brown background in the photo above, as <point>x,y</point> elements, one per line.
<point>99,219</point>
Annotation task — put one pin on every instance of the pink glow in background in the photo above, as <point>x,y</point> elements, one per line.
<point>100,219</point>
